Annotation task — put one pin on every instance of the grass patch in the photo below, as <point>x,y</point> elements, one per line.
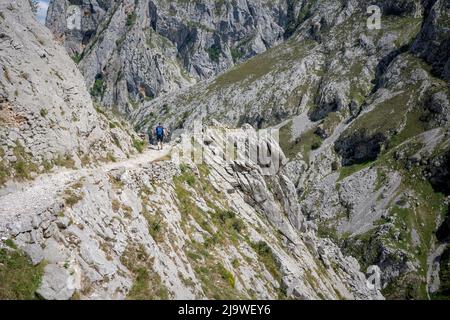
<point>77,57</point>
<point>262,64</point>
<point>350,170</point>
<point>110,157</point>
<point>131,19</point>
<point>412,128</point>
<point>156,226</point>
<point>267,257</point>
<point>74,194</point>
<point>385,117</point>
<point>113,125</point>
<point>186,175</point>
<point>23,167</point>
<point>226,275</point>
<point>71,198</point>
<point>217,282</point>
<point>19,279</point>
<point>65,161</point>
<point>147,283</point>
<point>304,144</point>
<point>237,54</point>
<point>187,206</point>
<point>227,220</point>
<point>222,224</point>
<point>139,145</point>
<point>229,226</point>
<point>4,170</point>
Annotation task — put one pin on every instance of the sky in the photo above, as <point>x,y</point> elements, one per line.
<point>42,11</point>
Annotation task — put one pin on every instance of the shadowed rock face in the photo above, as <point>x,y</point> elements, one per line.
<point>439,176</point>
<point>359,147</point>
<point>401,7</point>
<point>433,42</point>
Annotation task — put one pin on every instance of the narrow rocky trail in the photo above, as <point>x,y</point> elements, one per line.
<point>34,196</point>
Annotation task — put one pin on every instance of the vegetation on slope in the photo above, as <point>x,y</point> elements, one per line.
<point>19,279</point>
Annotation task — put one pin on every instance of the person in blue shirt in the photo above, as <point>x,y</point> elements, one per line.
<point>160,132</point>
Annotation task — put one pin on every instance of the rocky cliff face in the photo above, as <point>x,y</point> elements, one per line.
<point>362,114</point>
<point>132,51</point>
<point>433,42</point>
<point>47,116</point>
<point>146,226</point>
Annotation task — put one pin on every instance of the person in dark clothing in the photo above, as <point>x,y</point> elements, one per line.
<point>160,132</point>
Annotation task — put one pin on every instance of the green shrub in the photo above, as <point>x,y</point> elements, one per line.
<point>66,161</point>
<point>316,145</point>
<point>214,53</point>
<point>131,19</point>
<point>110,157</point>
<point>147,283</point>
<point>237,54</point>
<point>77,57</point>
<point>21,169</point>
<point>139,145</point>
<point>44,112</point>
<point>71,197</point>
<point>156,226</point>
<point>98,88</point>
<point>227,275</point>
<point>186,175</point>
<point>267,258</point>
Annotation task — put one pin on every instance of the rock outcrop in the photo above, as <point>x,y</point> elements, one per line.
<point>46,114</point>
<point>433,42</point>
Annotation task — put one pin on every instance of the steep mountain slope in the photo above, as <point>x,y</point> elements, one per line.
<point>330,64</point>
<point>132,51</point>
<point>47,117</point>
<point>145,227</point>
<point>363,117</point>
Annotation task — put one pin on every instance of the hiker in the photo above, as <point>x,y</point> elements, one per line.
<point>160,132</point>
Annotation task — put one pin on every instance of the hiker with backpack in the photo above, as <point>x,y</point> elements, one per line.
<point>160,133</point>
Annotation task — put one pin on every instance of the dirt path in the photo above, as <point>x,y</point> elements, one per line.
<point>34,196</point>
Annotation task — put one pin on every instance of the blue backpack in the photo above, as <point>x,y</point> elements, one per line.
<point>159,131</point>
